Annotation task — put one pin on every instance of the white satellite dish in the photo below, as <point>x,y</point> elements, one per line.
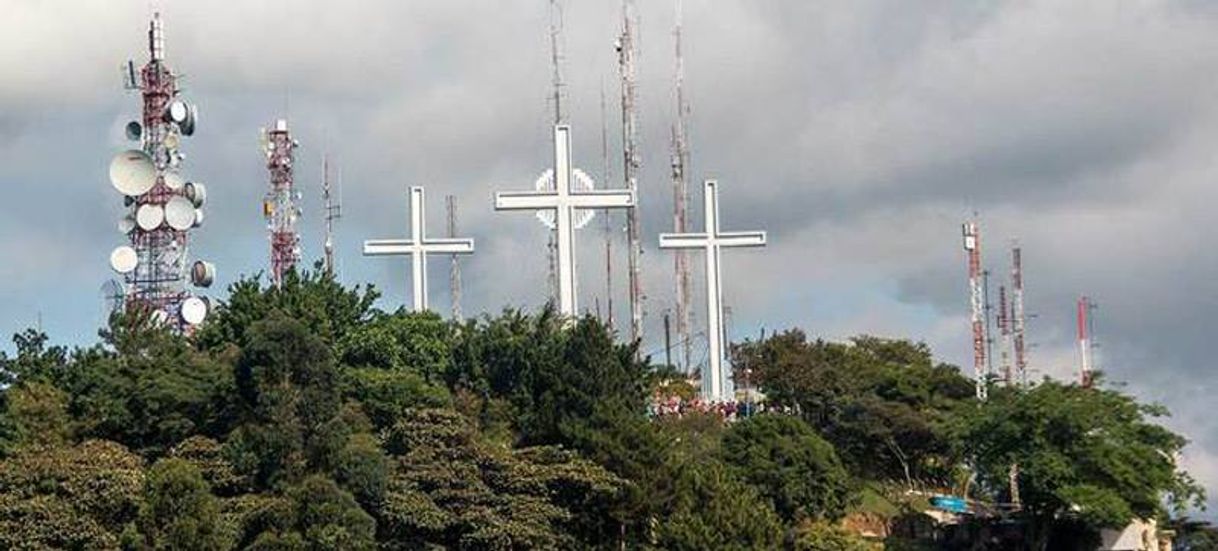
<point>177,111</point>
<point>132,172</point>
<point>149,217</point>
<point>124,260</point>
<point>134,130</point>
<point>202,273</point>
<point>197,193</point>
<point>194,310</point>
<point>198,217</point>
<point>180,213</point>
<point>174,181</point>
<point>126,224</point>
<point>171,140</point>
<point>582,182</point>
<point>192,117</point>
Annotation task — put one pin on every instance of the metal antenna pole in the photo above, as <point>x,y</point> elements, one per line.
<point>556,98</point>
<point>989,336</point>
<point>626,66</point>
<point>1019,329</point>
<point>972,246</point>
<point>606,176</point>
<point>667,342</point>
<point>454,272</point>
<point>332,213</point>
<point>680,191</point>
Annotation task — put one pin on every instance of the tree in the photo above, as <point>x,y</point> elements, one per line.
<point>78,497</point>
<point>449,488</point>
<point>179,512</point>
<point>1085,454</point>
<point>710,508</point>
<point>36,414</point>
<point>790,465</point>
<point>290,400</point>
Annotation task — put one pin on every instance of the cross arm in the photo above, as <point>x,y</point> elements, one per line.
<point>683,240</point>
<point>741,239</point>
<point>449,245</point>
<point>384,247</point>
<point>525,200</point>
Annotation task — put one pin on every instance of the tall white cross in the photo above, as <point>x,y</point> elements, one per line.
<point>712,240</point>
<point>564,201</point>
<point>418,246</point>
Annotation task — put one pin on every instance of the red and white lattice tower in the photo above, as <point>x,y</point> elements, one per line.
<point>972,246</point>
<point>164,207</point>
<point>1084,341</point>
<point>279,207</point>
<point>1018,321</point>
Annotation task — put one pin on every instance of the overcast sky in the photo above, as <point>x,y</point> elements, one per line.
<point>859,134</point>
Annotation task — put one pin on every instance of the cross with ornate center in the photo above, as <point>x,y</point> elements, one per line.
<point>564,201</point>
<point>418,246</point>
<point>712,240</point>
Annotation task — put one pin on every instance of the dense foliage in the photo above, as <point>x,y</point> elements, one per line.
<point>303,417</point>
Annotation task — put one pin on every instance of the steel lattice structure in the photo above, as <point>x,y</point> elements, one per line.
<point>279,207</point>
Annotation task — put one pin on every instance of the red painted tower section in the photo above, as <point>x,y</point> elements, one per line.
<point>279,207</point>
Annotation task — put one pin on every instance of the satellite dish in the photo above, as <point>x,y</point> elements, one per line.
<point>202,273</point>
<point>180,213</point>
<point>134,131</point>
<point>124,259</point>
<point>113,293</point>
<point>132,172</point>
<point>149,217</point>
<point>126,224</point>
<point>172,141</point>
<point>177,111</point>
<point>198,217</point>
<point>194,310</point>
<point>173,181</point>
<point>192,116</point>
<point>582,182</point>
<point>197,193</point>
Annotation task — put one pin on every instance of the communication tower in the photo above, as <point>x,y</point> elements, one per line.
<point>1017,314</point>
<point>972,246</point>
<point>627,52</point>
<point>333,211</point>
<point>162,205</point>
<point>1084,341</point>
<point>680,196</point>
<point>1004,329</point>
<point>280,207</point>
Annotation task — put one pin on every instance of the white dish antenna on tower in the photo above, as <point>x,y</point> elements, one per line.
<point>174,181</point>
<point>124,260</point>
<point>149,217</point>
<point>194,310</point>
<point>177,111</point>
<point>134,131</point>
<point>582,182</point>
<point>202,273</point>
<point>192,117</point>
<point>197,193</point>
<point>126,224</point>
<point>198,217</point>
<point>132,172</point>
<point>180,213</point>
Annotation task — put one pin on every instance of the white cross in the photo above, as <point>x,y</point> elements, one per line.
<point>564,201</point>
<point>711,240</point>
<point>418,246</point>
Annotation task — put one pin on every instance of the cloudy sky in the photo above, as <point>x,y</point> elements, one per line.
<point>859,134</point>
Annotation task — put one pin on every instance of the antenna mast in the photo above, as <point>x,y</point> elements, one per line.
<point>972,245</point>
<point>1017,314</point>
<point>280,207</point>
<point>605,213</point>
<point>1004,328</point>
<point>454,273</point>
<point>1084,341</point>
<point>556,82</point>
<point>626,57</point>
<point>680,192</point>
<point>333,211</point>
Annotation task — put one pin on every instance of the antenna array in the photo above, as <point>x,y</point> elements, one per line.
<point>280,207</point>
<point>162,205</point>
